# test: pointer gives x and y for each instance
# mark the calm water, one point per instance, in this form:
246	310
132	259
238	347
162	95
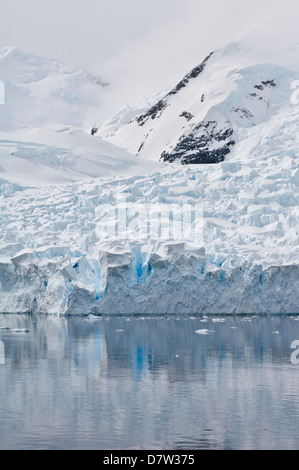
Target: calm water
152	383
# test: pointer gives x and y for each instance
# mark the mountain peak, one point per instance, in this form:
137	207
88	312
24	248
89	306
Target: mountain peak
203	117
41	91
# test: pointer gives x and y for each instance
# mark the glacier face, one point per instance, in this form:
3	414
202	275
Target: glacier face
55	257
73	235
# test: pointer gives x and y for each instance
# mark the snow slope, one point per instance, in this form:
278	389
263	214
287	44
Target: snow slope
44	91
45	124
66	249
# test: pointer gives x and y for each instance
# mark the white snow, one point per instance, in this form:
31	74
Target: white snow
64	196
45	124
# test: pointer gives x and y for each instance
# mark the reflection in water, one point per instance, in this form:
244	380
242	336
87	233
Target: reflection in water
122	383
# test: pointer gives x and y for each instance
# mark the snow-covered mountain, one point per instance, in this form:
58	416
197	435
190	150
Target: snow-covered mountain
90	246
210	111
45	123
44	92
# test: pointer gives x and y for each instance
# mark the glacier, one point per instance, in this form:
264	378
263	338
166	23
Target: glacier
62	192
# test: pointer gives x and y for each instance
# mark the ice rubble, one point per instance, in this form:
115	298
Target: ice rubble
52	260
55	258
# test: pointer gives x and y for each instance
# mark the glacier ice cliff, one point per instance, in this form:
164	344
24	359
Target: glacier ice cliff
57	254
167	288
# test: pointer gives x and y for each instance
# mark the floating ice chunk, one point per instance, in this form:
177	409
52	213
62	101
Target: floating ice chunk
20	330
93	317
218	320
2	353
119	331
204	332
275	332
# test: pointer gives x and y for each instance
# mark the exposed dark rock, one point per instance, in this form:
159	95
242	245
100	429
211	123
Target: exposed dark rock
206	142
196	146
270	83
243	112
141	147
193	74
186	115
143	143
152	112
94	130
156	110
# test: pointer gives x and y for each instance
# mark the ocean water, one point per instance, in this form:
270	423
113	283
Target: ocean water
149	382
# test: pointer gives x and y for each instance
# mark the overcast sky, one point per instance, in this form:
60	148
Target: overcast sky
140	46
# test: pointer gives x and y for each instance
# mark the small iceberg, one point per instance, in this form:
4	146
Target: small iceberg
93	317
204	332
20	330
